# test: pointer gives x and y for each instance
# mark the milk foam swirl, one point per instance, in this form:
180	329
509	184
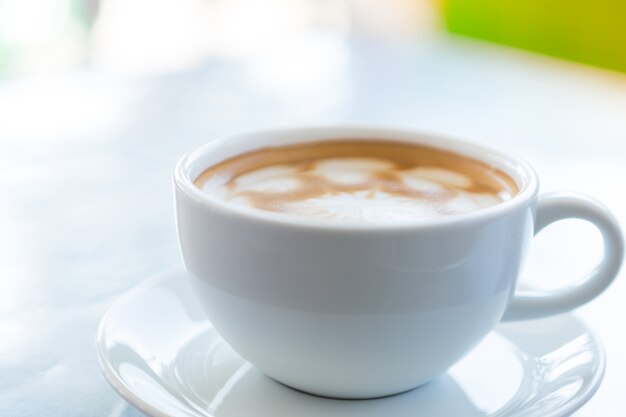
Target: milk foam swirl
358	189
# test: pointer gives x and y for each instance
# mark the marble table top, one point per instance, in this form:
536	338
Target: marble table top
86	206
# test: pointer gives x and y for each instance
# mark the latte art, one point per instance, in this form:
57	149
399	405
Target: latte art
352	182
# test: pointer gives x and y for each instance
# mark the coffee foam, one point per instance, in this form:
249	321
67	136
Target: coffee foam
358	181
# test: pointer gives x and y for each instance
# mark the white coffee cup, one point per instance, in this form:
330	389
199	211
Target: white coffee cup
358	310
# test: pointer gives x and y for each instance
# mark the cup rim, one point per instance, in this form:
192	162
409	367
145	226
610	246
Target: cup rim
517	168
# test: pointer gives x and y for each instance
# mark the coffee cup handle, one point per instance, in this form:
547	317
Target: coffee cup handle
559	206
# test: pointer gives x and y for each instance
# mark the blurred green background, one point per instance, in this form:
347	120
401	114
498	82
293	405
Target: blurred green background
139	36
592	32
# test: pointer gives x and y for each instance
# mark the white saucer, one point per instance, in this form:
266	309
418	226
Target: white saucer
159	352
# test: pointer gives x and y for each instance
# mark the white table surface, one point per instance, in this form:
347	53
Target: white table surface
86	204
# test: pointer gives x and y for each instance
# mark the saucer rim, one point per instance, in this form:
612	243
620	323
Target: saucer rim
128	394
112	378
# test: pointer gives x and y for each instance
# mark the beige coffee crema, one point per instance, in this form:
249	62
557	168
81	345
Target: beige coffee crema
358	181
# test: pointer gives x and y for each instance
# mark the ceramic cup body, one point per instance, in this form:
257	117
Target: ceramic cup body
352	310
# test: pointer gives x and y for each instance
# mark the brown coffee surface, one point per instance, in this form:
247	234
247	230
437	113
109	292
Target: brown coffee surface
358	180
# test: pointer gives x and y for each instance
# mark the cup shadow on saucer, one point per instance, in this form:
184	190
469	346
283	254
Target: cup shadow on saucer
235	388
